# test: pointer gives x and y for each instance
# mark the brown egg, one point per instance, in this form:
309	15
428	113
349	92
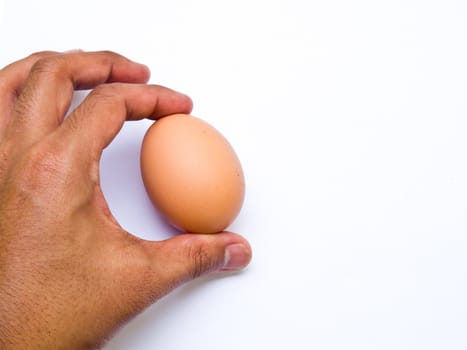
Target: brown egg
192	174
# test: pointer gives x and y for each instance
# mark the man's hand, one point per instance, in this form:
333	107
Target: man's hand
69	274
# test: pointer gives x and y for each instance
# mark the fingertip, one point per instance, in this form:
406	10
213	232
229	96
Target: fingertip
237	256
238	252
188	103
145	72
141	73
180	103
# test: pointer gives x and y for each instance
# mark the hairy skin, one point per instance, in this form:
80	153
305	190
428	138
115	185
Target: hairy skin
69	274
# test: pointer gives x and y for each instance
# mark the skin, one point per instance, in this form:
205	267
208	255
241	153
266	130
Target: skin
70	275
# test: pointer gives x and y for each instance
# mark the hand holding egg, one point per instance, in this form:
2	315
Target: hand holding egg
192	174
65	260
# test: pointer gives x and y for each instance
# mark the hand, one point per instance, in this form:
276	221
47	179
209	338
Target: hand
69	274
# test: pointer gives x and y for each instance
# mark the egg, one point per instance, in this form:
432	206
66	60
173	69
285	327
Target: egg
192	174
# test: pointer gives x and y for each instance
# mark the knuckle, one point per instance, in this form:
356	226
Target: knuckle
40	54
109	95
201	261
48	65
34	57
109	56
104	91
106	57
109	53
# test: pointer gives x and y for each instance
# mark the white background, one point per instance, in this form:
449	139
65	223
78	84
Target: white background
350	119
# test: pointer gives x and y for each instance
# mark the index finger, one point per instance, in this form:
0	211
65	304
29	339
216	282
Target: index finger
94	123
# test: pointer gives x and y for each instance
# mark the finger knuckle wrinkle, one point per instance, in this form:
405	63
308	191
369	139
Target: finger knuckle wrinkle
50	65
104	91
108	95
201	261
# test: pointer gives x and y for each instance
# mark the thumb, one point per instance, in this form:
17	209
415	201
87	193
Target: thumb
187	256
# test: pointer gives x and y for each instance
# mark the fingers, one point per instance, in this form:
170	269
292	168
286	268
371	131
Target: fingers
140	272
189	256
12	78
48	88
94	124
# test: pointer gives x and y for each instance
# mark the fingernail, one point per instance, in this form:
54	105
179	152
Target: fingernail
237	256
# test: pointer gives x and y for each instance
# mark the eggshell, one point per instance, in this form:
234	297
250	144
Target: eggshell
192	174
